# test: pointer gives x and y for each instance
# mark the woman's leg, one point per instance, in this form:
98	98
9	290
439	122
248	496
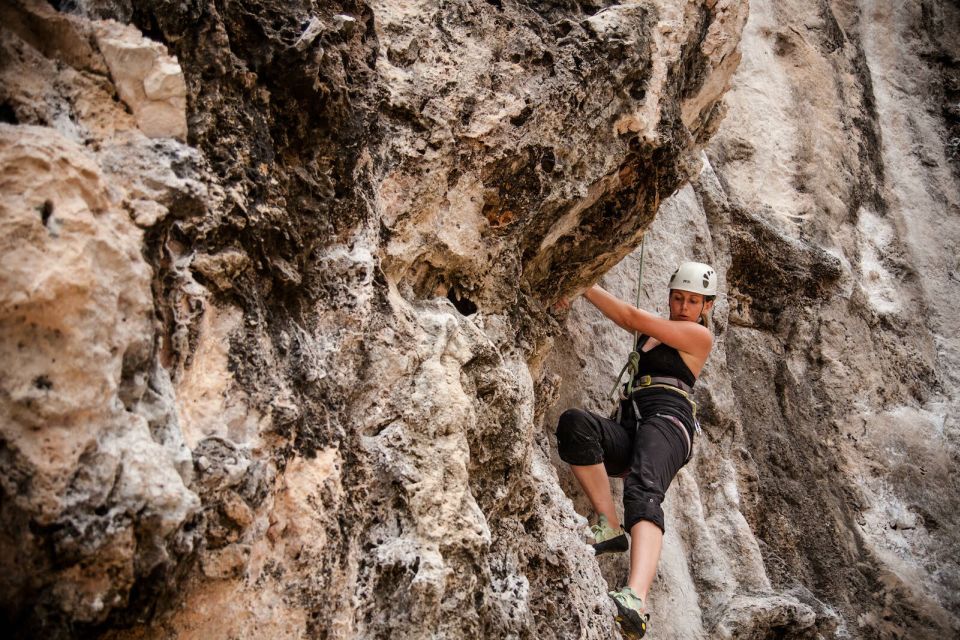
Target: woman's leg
646	540
595	483
660	451
593	446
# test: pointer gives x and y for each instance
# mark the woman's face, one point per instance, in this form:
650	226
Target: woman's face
686	305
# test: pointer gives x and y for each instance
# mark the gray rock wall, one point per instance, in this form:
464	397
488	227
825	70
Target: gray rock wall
822	500
295	372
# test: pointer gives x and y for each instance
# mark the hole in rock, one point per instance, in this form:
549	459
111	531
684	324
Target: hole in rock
464	305
530	525
593	7
43	382
522	117
46	211
563	28
549	161
8	115
638	92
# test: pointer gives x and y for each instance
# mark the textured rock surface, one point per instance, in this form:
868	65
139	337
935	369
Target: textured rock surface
364	459
147	79
822	501
306	370
94	466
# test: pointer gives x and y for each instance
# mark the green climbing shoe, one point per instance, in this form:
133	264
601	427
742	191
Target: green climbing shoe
606	539
630	617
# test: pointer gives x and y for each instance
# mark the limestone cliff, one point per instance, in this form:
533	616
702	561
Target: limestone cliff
822	501
279	351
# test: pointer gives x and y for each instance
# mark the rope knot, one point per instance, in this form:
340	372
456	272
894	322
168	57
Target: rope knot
633	364
631	368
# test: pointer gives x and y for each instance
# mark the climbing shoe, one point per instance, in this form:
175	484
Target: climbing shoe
606	539
630	617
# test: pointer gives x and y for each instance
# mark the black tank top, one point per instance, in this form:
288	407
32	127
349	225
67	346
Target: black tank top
663	360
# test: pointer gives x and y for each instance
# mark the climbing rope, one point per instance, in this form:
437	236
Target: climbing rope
632	367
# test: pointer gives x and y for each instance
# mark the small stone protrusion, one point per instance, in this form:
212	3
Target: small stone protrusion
148	80
312	31
344	24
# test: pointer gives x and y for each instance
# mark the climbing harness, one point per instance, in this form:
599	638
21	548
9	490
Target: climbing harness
653	381
675	421
671	384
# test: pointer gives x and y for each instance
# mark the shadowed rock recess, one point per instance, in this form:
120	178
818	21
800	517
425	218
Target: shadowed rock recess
278	351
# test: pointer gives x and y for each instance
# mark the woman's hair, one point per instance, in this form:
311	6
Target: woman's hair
704	319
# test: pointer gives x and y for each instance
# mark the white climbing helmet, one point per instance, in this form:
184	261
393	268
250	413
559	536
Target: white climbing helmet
696	277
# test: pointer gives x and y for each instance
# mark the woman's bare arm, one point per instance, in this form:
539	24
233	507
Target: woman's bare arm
688	337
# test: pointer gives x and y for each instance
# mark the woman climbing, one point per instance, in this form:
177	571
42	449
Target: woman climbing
653	437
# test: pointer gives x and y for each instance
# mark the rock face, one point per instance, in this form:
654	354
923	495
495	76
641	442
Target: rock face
95	468
822	500
279	351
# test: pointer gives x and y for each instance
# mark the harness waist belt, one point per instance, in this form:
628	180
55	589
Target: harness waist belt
646	381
